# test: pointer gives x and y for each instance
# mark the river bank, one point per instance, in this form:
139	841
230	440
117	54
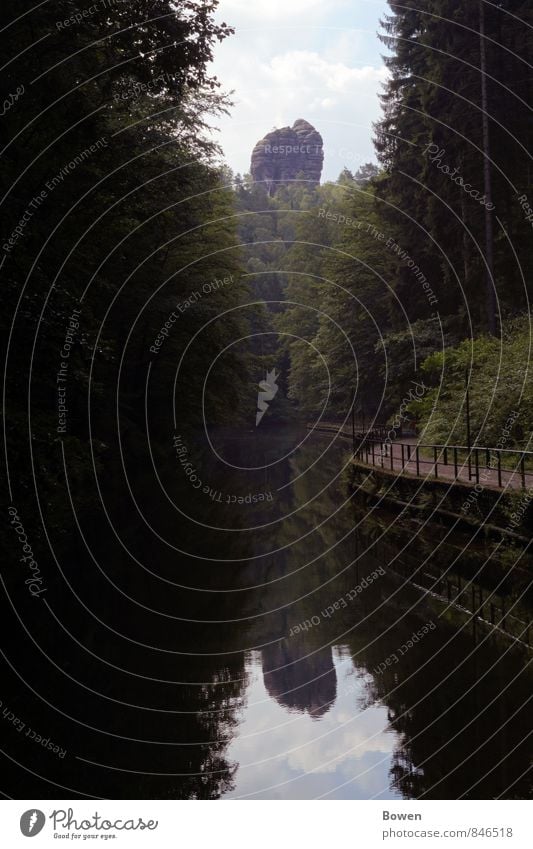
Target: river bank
457	503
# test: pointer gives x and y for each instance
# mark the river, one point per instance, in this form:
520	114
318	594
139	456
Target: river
266	635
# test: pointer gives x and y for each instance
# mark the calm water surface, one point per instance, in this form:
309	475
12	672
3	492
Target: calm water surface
254	638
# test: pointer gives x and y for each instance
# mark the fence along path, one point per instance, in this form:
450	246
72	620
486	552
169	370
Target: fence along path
495	467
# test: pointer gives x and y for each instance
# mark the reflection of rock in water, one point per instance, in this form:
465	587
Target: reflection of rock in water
306	684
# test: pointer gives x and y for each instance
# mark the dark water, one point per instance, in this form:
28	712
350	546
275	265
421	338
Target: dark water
207	644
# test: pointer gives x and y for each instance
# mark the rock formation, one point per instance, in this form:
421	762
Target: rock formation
286	153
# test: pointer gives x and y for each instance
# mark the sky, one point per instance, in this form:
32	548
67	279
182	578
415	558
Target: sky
315	59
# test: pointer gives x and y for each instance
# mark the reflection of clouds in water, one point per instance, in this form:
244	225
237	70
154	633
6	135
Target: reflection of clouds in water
274	745
346	742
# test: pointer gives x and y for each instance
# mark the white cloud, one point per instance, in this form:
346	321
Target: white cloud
339	99
313	59
310	72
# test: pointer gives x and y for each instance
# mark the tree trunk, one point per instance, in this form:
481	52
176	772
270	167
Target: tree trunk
489	237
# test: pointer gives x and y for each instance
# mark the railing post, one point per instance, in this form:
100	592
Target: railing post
476	457
417	460
455	461
468	432
373	457
436	463
523	471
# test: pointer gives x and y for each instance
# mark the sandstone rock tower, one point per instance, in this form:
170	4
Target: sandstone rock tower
283	154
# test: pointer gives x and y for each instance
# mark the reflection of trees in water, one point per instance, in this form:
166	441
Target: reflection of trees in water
465	749
188	724
300	681
434	738
435	734
299	672
205	770
187	747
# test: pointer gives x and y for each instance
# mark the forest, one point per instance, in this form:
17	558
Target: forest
416	268
171	522
419	268
114	211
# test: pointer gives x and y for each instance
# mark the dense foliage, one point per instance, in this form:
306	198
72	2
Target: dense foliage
113	207
432	257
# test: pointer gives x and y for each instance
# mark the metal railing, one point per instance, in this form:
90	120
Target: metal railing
493	466
378	431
